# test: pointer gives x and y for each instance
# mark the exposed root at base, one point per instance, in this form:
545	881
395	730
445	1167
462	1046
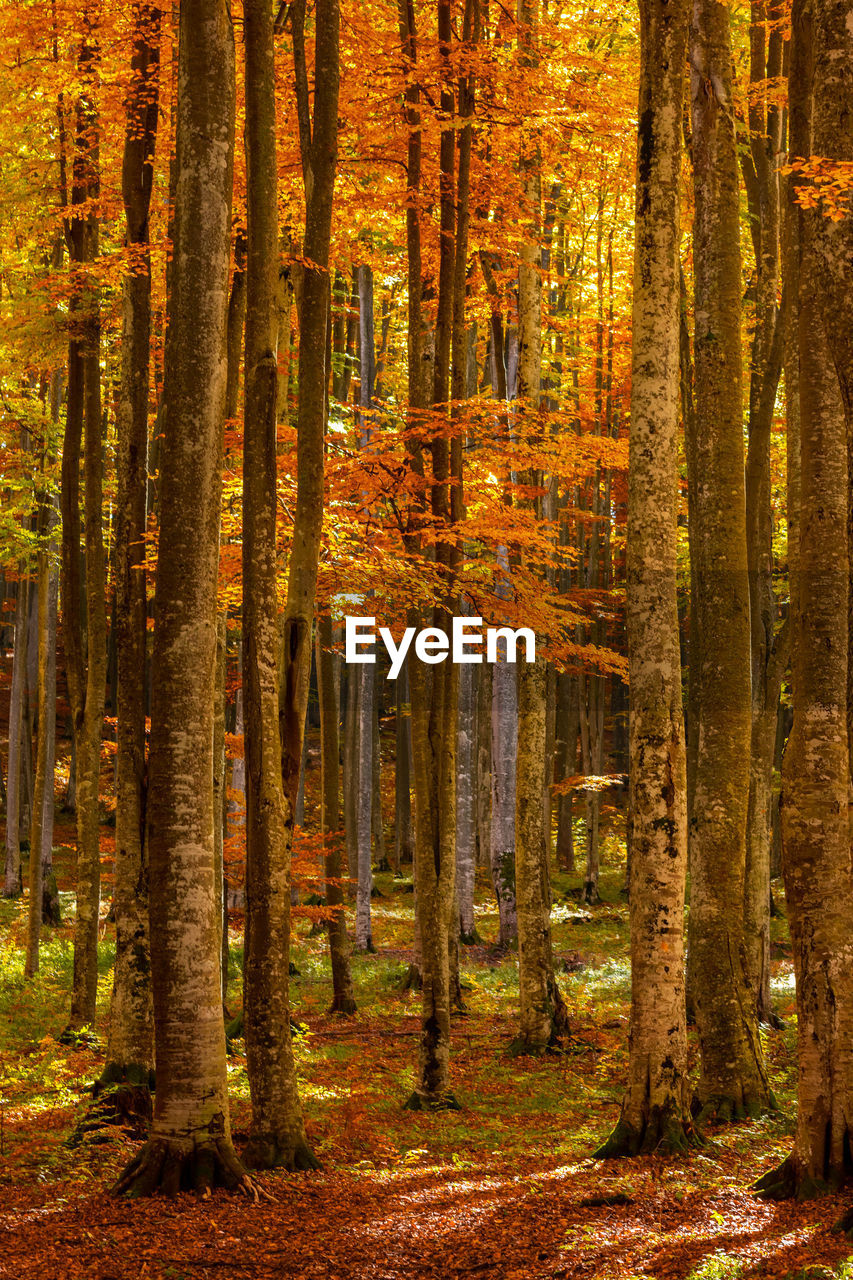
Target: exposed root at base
412	979
170	1167
664	1132
788	1182
266	1151
423	1102
344	1005
720	1109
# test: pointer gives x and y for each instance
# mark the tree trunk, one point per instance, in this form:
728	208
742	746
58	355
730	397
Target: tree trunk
130	1049
434	690
343	998
733	1082
12	885
504	752
656	1107
484	766
364	806
190	1143
403	833
86	674
815	772
542	1010
44	772
466	850
277	1132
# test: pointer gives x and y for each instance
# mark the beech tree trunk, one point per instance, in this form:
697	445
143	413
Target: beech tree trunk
815	772
277	1132
769	649
190	1142
12	884
733	1082
433	689
403	833
542	1009
656	1107
130	1048
343	998
466	844
502	832
86	671
44	760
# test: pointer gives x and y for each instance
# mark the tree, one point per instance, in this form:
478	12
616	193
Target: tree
543	1012
190	1142
85	668
277	1135
815	775
656	1107
733	1080
130	1050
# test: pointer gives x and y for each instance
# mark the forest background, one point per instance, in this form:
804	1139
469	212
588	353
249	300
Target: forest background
418	385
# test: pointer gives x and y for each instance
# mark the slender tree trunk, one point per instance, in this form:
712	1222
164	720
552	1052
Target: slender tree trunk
734	1080
190	1143
343	997
466	843
364	807
277	1133
769	651
504	752
12	886
130	1049
542	1008
403	833
434	689
484	765
86	674
656	1107
219	796
43	763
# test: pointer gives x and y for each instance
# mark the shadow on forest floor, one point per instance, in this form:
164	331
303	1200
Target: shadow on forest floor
501	1189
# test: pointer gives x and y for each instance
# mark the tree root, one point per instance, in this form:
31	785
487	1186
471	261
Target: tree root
664	1132
171	1167
788	1182
721	1109
471	939
412	979
267	1151
345	1005
423	1102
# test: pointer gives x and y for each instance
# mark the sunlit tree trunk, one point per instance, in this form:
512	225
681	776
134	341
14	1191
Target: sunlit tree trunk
190	1142
656	1107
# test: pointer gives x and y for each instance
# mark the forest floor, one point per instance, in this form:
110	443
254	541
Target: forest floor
505	1189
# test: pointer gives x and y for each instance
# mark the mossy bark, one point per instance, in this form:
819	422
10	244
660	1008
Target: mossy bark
733	1080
